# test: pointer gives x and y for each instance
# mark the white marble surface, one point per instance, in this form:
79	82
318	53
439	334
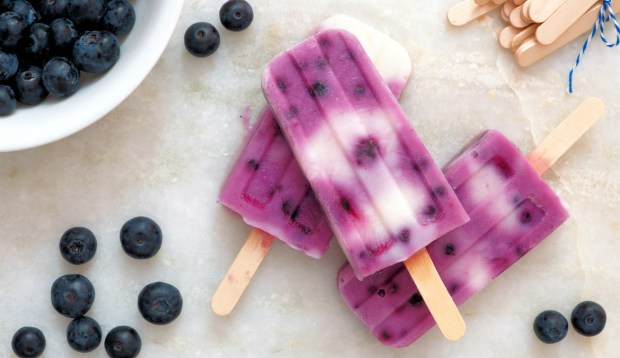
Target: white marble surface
165	151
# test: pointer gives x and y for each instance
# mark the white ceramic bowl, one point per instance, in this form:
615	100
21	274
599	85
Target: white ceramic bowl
55	119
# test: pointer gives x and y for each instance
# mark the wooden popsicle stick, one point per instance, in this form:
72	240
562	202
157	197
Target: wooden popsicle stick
241	272
467	11
540	10
506	36
524	34
505	17
562	20
525	11
436	296
531	51
508	7
515	18
565	134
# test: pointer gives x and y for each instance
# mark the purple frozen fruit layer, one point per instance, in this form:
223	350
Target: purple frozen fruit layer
511	209
266	186
382	193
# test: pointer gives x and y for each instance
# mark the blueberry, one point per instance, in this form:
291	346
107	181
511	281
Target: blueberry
588	318
26	10
39	41
78	245
201	39
7	100
318	89
86	13
96	51
366	150
550	326
29	87
119	17
60	77
141	237
84	334
122	342
8	65
12	28
28	342
160	303
53	9
236	15
64	34
72	295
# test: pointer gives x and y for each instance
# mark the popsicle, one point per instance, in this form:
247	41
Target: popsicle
511	209
382	193
267	188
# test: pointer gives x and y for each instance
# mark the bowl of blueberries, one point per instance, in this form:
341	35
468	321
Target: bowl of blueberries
64	64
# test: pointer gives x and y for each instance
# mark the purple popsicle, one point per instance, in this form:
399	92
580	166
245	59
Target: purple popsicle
268	189
511	209
381	191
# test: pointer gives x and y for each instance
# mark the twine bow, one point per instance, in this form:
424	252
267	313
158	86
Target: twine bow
605	15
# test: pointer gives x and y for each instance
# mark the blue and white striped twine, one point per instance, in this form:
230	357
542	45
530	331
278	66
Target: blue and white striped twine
606	14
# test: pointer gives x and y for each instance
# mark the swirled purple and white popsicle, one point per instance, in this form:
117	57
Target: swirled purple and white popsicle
511	208
383	195
267	187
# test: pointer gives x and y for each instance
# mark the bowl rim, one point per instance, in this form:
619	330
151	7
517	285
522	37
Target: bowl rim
56	119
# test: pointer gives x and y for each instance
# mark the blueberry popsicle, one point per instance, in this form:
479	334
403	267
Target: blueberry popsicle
383	195
268	189
511	208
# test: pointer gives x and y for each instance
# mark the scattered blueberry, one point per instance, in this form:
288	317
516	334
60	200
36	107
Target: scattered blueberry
78	245
84	334
236	15
119	17
39	41
201	39
123	342
28	342
53	9
550	326
86	12
12	28
141	237
7	100
96	51
160	303
72	295
60	77
8	65
64	34
588	318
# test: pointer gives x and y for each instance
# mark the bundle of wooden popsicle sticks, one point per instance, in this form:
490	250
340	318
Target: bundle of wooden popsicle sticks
536	28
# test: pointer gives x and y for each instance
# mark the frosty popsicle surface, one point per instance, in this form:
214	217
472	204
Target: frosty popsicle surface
511	209
267	188
381	191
